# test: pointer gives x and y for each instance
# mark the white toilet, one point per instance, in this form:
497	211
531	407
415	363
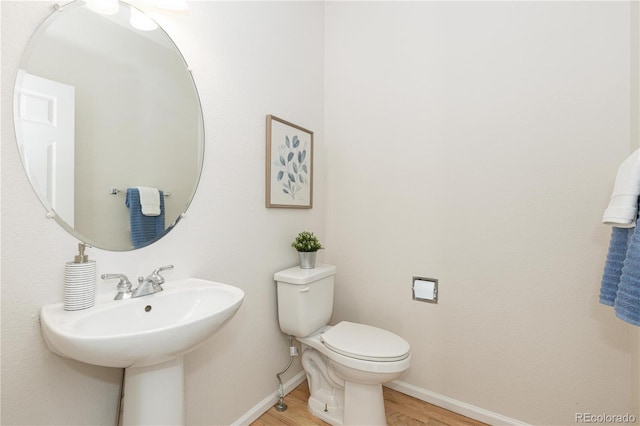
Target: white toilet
346	364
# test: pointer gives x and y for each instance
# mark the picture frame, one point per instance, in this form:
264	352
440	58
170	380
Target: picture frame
289	171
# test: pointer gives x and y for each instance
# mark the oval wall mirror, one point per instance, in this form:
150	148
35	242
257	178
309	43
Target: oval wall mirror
106	112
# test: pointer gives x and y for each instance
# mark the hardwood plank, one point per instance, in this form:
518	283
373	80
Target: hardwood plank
397	402
401	410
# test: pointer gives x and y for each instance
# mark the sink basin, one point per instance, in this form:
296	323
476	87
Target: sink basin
143	331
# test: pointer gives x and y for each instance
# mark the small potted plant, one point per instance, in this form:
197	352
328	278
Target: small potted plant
307	245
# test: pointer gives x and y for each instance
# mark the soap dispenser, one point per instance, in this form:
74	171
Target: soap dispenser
80	281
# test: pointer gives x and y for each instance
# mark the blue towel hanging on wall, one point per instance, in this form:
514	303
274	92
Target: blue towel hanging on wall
613	267
144	229
627	303
621	278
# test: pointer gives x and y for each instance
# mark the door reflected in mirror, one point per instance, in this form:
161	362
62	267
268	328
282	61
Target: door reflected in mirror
100	105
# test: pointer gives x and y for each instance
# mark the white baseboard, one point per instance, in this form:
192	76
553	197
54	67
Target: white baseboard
263	406
451	404
454	405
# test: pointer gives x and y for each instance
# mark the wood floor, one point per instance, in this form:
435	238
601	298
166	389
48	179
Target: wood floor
401	409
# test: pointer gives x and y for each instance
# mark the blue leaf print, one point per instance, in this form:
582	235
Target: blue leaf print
292	164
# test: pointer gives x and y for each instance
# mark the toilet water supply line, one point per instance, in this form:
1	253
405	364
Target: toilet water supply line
293	351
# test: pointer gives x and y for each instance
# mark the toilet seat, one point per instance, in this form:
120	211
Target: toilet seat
365	342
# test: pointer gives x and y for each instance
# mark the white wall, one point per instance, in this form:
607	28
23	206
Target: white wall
477	143
249	60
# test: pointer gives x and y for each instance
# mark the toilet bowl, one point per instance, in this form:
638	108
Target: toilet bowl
346	364
346	376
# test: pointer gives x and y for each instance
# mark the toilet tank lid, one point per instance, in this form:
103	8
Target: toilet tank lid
297	275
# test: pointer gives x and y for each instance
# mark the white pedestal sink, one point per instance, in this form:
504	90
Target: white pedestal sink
147	336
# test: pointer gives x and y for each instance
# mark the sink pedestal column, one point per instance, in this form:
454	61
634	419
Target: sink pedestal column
154	395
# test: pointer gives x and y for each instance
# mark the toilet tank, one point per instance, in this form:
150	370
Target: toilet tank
305	299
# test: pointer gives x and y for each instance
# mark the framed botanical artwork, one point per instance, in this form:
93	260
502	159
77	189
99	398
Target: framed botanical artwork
289	165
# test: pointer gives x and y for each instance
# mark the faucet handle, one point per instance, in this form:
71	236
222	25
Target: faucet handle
159	279
124	280
124	285
162	268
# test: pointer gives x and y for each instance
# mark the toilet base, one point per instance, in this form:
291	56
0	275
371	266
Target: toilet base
365	405
330	413
338	401
326	396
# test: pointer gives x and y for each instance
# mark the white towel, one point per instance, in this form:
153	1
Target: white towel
149	201
623	207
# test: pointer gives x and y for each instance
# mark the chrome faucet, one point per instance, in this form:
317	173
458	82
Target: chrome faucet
124	285
151	284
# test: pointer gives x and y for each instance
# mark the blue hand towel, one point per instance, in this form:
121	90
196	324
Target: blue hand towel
613	266
144	229
627	303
